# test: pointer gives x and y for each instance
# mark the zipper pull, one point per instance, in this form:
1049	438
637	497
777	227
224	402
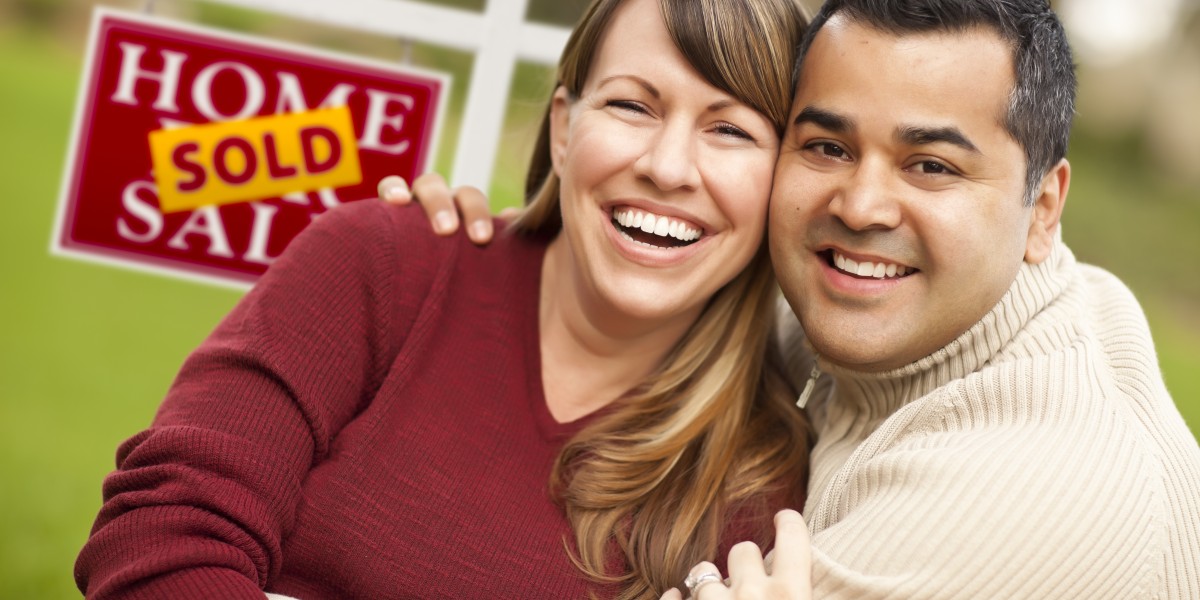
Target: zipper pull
808	387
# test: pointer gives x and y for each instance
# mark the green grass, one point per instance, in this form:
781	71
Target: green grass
88	351
1125	216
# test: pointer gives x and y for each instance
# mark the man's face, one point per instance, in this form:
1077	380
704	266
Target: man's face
896	218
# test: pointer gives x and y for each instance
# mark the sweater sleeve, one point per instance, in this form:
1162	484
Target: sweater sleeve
201	500
983	492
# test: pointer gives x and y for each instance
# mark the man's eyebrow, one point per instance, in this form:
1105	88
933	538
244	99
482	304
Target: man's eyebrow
921	136
824	119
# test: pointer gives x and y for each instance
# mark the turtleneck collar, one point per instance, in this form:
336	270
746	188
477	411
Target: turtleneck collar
882	393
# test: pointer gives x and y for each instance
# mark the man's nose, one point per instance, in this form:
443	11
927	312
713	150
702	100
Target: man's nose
868	198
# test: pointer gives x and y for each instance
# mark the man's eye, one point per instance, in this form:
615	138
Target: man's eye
930	167
829	149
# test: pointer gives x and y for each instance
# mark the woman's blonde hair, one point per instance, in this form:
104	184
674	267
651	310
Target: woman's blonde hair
714	430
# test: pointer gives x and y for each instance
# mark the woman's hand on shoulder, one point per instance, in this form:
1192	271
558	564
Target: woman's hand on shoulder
444	207
786	573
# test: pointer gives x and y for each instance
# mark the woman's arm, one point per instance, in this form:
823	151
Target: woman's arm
202	499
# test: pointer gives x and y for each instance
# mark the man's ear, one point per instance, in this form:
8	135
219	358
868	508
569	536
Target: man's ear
1047	211
560	127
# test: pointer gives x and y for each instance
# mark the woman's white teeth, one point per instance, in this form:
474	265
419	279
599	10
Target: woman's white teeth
869	269
656	224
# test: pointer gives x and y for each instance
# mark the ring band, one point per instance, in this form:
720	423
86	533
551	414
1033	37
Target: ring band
695	582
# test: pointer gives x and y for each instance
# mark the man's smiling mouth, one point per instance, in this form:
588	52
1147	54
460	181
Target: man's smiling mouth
869	270
653	230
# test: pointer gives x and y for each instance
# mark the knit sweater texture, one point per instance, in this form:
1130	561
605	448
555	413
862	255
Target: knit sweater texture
368	422
1038	455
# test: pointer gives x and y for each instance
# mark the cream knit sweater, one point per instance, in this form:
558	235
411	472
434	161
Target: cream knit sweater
1039	455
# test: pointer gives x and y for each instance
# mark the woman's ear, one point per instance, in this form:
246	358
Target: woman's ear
1047	211
560	127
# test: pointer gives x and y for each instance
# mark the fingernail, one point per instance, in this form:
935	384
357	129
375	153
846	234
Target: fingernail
786	513
396	193
480	230
444	221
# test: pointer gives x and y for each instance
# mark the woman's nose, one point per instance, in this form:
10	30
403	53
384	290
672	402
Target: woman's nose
669	160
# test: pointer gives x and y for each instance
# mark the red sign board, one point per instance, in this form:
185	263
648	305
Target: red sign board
199	153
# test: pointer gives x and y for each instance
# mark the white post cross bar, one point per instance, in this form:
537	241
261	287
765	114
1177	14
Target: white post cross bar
498	37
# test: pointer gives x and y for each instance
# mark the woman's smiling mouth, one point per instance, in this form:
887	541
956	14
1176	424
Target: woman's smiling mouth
653	230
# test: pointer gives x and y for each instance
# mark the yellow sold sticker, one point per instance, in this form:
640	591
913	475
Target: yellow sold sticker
254	159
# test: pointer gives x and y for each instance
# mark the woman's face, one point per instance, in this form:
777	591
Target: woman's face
664	178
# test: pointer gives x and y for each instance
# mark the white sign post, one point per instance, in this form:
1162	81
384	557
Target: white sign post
498	37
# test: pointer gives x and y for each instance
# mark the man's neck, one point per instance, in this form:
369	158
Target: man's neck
996	334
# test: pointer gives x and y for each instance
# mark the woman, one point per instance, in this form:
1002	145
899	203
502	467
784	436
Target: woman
584	407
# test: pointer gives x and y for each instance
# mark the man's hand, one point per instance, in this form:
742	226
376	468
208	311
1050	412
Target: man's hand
443	205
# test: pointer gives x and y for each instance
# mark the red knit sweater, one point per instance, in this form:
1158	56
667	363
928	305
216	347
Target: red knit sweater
368	422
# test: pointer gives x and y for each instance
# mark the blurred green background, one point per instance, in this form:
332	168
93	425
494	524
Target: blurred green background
87	351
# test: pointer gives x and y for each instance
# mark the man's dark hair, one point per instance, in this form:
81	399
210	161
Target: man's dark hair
1042	103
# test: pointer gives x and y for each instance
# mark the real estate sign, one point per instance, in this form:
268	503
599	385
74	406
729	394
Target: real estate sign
202	154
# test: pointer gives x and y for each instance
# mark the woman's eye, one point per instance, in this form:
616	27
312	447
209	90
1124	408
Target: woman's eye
629	105
734	131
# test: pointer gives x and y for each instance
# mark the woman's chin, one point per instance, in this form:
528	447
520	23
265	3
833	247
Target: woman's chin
658	303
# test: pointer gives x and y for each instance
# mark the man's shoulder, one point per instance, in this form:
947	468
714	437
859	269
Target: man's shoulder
1093	331
1115	324
1103	287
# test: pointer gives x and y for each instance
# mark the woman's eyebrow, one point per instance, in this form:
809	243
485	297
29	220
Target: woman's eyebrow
649	87
653	91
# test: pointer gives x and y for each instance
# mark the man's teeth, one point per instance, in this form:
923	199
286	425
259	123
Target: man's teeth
656	224
870	269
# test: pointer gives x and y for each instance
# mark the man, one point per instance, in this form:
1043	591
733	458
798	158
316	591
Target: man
990	416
